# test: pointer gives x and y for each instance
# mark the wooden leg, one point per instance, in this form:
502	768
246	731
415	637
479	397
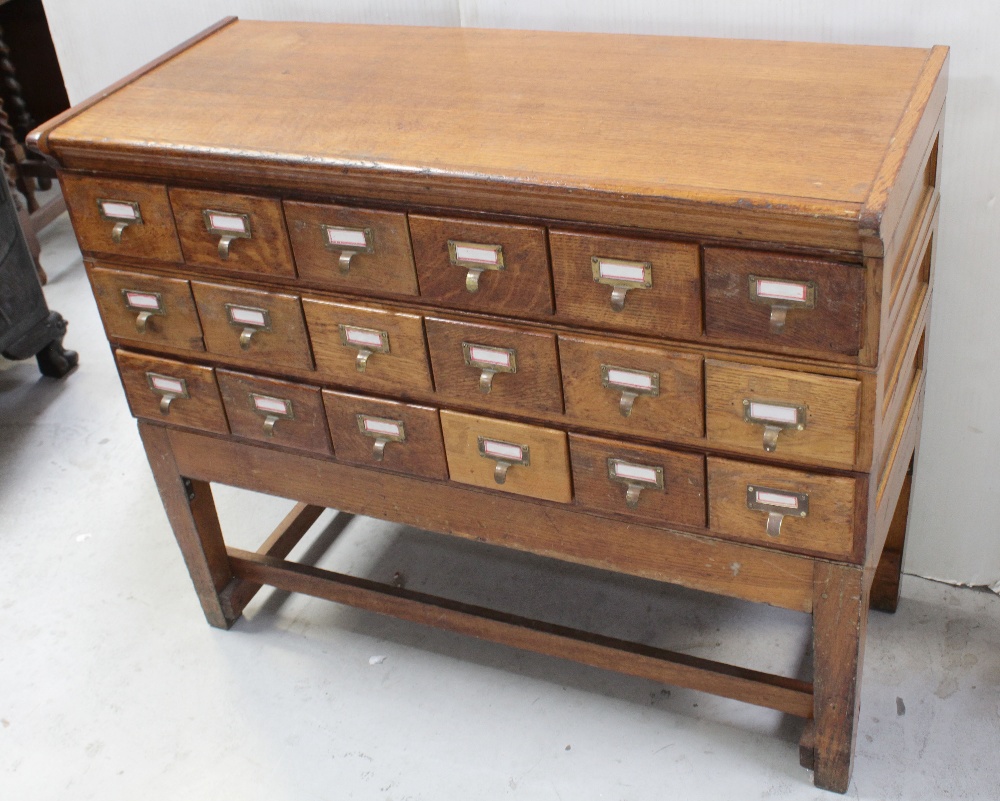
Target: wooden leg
190	508
885	585
840	618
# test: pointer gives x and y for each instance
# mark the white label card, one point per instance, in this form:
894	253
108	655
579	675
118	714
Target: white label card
382	427
119	211
142	300
622	271
627	378
635	471
263	403
775	413
347	237
502	450
243	316
776	499
358	336
501	358
780	290
228	222
480	255
161	383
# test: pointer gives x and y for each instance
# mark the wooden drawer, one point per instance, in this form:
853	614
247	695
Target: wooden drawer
828	502
638	285
241	233
495	366
789	414
458	260
653	484
264	326
173	392
385	434
276	412
368	347
353	250
510	457
127	218
601	379
146	308
789	302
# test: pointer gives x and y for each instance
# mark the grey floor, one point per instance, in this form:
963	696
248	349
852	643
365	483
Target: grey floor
112	686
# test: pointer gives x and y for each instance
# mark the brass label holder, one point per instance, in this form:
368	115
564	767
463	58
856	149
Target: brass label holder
476	259
249	319
122	213
383	430
777	504
147	304
271	409
631	383
622	276
168	388
367	341
781	296
775	417
347	243
636	478
228	226
489	361
505	454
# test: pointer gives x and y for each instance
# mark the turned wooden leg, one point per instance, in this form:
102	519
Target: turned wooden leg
885	585
190	508
840	617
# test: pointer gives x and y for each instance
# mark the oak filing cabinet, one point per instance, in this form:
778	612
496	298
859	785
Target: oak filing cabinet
648	304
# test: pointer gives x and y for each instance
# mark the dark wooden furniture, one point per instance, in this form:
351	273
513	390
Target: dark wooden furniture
653	305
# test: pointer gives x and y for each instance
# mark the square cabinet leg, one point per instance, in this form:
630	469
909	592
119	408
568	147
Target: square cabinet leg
885	585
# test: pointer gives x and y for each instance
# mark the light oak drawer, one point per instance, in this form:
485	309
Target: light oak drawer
126	218
241	233
638	285
509	457
173	392
353	250
146	308
367	347
785	413
264	326
794	509
276	412
385	434
652	484
490	267
769	299
632	389
495	366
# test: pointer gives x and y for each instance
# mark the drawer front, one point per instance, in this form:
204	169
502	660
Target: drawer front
798	510
768	299
172	392
264	326
126	218
632	389
276	412
385	434
494	366
241	233
353	250
489	267
761	411
146	308
367	347
653	484
635	285
509	457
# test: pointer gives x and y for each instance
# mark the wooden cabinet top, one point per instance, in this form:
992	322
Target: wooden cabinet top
656	125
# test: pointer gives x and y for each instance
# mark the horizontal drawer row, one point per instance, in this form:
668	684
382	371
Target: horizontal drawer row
619	387
769	505
622	283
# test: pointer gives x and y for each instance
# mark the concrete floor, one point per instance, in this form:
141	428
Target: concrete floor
112	686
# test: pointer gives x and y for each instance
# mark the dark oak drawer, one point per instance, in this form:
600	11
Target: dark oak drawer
350	249
493	267
388	435
368	347
639	285
633	389
657	485
505	456
495	366
273	411
769	299
146	308
241	233
127	218
172	392
264	326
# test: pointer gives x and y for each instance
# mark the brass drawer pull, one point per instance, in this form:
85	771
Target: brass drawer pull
368	342
229	226
505	454
775	417
782	296
146	304
636	478
476	259
272	409
383	431
250	320
122	213
777	503
348	242
622	276
168	388
489	361
631	383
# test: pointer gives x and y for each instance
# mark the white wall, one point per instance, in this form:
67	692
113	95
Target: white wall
955	533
